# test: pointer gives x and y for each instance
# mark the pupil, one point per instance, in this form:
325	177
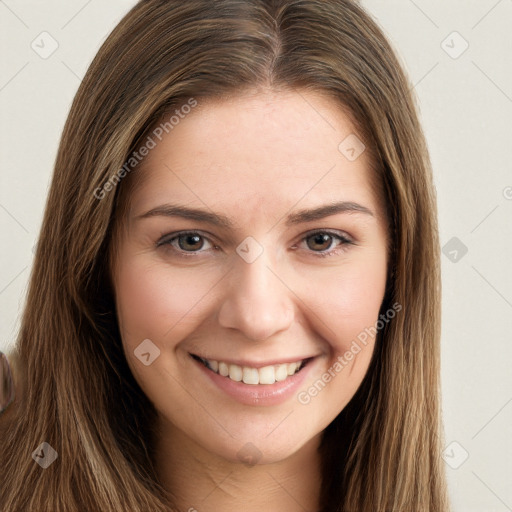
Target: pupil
190	242
320	239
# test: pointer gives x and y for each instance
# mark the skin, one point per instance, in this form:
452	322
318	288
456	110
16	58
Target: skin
255	159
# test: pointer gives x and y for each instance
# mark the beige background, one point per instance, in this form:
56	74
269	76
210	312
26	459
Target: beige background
466	108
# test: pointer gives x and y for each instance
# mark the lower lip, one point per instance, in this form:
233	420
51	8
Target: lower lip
259	394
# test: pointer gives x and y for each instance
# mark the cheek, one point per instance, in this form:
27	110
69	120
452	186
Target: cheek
155	302
345	304
347	300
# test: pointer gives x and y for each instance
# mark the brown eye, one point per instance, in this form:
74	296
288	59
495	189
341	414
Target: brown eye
325	243
183	243
190	242
319	241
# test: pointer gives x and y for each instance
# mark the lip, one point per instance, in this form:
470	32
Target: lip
260	394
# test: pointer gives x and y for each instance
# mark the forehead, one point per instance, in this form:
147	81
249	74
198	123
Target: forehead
253	151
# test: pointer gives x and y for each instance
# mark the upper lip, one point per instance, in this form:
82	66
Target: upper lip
256	364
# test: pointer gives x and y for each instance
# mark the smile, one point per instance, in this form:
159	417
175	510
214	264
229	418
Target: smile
251	375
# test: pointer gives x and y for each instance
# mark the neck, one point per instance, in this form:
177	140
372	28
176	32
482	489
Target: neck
204	482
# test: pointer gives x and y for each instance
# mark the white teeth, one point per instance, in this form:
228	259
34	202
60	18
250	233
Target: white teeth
223	368
235	372
250	375
267	375
291	368
254	376
281	372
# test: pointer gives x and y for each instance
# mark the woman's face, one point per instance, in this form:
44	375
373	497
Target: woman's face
254	242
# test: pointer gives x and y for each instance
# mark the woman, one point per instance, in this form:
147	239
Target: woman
235	301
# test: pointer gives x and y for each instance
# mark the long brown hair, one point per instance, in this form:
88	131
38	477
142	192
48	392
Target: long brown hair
382	453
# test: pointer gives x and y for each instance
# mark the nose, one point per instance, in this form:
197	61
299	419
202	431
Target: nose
257	301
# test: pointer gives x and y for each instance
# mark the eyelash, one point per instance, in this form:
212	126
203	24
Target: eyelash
344	242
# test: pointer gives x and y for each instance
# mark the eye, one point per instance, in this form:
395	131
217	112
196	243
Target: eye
326	243
320	243
186	242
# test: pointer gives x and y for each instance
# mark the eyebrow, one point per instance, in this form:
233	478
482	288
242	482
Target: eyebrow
215	219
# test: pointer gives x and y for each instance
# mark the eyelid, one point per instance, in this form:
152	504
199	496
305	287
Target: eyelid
333	232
